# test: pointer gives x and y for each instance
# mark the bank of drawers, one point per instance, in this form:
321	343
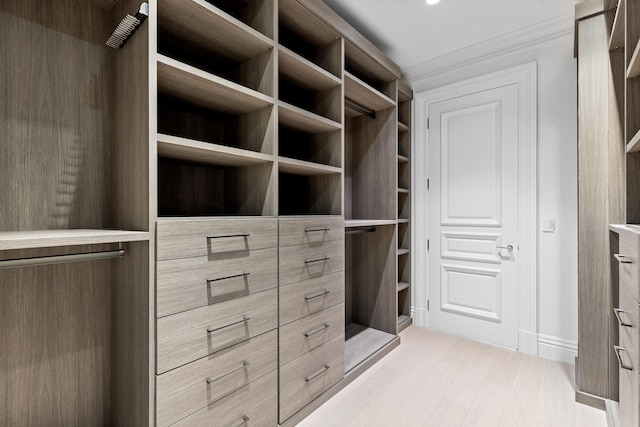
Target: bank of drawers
217	308
311	312
627	314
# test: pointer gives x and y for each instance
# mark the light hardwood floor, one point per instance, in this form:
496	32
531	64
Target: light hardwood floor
434	379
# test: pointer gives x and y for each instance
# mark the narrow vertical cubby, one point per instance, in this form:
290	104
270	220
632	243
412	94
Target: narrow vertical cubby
632	108
370	300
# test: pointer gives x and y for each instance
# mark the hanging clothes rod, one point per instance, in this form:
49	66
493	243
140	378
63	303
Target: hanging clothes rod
360	230
60	259
360	109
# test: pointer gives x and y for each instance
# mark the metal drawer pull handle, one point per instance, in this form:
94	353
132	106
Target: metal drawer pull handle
312	230
228	277
617	349
229	235
244	319
316	260
508	247
317	374
243	421
622	258
320	329
321	294
621	322
244	365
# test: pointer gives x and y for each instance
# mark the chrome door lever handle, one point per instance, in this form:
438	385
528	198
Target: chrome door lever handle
509	247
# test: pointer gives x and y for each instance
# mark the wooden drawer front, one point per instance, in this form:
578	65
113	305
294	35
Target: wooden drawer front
188	283
629	414
307	377
311	296
311	332
185	390
193	334
214	237
629	270
304	262
302	231
255	405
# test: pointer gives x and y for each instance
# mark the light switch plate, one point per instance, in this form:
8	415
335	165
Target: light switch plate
548	225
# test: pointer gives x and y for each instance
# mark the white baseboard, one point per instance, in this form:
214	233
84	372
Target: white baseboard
527	342
420	317
559	349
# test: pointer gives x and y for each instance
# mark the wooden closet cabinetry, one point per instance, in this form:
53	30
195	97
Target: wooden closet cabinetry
236	179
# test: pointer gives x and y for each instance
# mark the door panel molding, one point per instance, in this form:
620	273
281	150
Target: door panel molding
453	300
470	246
525	77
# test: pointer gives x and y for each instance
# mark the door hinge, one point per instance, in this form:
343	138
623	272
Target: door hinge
427	305
427	122
427	183
427	244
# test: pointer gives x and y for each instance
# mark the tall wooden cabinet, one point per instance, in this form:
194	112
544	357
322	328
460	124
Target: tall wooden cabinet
208	225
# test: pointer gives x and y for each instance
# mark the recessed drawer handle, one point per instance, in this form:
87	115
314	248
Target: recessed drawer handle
622	258
309	261
313	230
317	374
244	319
228	277
244	365
225	236
617	350
244	420
621	322
320	329
321	294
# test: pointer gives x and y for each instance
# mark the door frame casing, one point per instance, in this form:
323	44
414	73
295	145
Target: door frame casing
525	78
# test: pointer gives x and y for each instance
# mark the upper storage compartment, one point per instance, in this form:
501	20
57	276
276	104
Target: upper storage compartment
229	39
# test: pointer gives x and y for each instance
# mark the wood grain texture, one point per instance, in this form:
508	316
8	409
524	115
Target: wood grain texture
372	148
51	238
595	185
301	167
310	332
57	340
307	377
305	24
364	95
310	261
371	267
188	283
301	119
183	337
304	72
56	110
303	231
186	390
207	237
616	40
362	342
258	401
314	195
294	304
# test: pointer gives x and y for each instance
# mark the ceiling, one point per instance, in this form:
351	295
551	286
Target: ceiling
410	32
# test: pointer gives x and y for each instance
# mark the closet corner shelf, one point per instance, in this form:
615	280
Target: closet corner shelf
403	159
403	221
634	144
349	223
304	120
402	286
175	147
616	40
209	27
364	95
301	167
633	70
207	90
403	190
403	251
402	127
12	240
304	72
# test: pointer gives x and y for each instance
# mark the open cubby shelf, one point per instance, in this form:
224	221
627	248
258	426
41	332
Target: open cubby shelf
403	252
309	194
324	148
402	127
172	147
301	167
196	189
402	286
207	90
361	342
14	240
633	70
402	159
616	41
300	119
304	72
325	103
236	28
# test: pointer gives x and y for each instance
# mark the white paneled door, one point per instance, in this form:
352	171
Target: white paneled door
473	215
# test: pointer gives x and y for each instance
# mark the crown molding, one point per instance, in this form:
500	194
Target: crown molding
543	33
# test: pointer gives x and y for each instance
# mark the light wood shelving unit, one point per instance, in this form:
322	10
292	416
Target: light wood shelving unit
215	115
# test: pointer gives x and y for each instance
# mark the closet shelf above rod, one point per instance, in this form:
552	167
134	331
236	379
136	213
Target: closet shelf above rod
60	259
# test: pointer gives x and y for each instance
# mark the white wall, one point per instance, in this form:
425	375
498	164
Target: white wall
557	167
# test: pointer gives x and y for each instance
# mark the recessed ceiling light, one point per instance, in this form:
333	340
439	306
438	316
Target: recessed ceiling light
432	1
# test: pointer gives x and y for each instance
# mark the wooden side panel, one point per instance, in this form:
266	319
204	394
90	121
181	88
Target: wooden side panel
597	183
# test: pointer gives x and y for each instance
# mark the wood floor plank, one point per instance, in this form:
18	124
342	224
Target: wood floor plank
435	380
